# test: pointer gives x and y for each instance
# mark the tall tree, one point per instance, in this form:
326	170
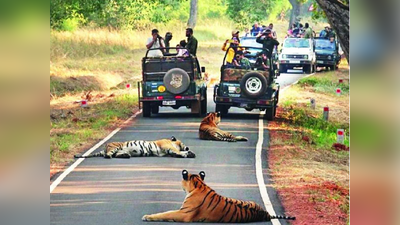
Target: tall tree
337	13
295	11
193	13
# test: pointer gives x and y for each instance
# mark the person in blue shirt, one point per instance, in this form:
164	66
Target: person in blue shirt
256	29
324	33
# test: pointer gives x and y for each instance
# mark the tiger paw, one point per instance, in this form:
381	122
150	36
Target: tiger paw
146	218
241	138
190	154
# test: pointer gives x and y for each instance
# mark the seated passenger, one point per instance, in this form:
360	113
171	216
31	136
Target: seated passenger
182	51
242	61
261	62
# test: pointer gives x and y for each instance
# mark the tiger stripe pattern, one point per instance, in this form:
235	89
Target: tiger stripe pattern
203	204
209	130
164	147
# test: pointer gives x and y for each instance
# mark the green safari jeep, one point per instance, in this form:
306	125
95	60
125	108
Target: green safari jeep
172	81
253	88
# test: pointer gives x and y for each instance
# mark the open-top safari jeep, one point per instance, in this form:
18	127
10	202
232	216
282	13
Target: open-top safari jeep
172	81
250	89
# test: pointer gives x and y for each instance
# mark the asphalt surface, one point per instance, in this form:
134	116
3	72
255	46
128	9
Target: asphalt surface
120	191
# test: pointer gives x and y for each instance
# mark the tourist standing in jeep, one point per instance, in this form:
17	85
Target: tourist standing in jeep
268	42
156	41
191	42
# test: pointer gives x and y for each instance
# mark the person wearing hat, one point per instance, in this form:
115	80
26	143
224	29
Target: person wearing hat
191	45
324	33
268	42
232	48
156	41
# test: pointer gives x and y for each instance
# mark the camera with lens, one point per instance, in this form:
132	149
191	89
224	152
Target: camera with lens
158	36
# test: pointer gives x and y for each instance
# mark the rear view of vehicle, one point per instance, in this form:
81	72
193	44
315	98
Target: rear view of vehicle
327	53
297	52
250	89
172	81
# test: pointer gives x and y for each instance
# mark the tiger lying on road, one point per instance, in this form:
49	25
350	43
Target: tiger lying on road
209	131
203	204
164	147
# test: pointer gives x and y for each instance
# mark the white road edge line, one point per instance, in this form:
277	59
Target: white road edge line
259	174
77	162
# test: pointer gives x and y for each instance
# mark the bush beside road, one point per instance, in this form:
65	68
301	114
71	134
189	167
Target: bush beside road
311	177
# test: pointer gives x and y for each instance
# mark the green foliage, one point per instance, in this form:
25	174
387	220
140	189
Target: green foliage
324	85
245	13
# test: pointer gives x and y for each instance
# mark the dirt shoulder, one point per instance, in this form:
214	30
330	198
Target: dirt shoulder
310	171
74	129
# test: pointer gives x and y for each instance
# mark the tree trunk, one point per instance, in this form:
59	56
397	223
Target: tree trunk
295	12
338	17
193	14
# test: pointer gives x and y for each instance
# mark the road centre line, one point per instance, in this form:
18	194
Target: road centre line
77	162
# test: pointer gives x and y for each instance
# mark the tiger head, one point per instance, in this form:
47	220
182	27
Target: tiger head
192	181
212	118
179	144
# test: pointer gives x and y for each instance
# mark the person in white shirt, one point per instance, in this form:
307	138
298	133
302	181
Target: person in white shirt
182	51
155	42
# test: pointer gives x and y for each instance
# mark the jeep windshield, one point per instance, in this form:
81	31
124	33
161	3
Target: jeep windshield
297	43
324	44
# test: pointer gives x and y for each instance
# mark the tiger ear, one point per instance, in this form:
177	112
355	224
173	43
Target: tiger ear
202	175
173	138
208	113
218	114
186	148
185	174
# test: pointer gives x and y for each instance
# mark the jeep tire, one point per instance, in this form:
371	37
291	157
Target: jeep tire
253	85
146	109
223	109
282	69
204	102
155	109
180	85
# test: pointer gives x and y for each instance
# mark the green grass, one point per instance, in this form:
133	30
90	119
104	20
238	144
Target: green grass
92	125
324	84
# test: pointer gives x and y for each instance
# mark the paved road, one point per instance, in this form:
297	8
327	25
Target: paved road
120	191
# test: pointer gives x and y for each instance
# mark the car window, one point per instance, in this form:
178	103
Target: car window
324	44
296	43
250	42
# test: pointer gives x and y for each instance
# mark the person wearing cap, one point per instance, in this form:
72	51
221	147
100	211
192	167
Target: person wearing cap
324	33
242	61
192	43
156	41
268	42
232	48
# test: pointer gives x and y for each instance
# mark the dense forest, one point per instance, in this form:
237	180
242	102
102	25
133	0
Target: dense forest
142	14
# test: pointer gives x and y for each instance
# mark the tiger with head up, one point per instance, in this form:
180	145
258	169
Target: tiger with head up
203	204
164	147
209	131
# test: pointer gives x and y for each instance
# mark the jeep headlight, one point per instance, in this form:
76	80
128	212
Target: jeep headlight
283	56
329	57
305	56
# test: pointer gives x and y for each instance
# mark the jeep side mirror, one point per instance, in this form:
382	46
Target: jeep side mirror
203	69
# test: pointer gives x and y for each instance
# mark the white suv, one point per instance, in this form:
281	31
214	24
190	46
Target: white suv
297	52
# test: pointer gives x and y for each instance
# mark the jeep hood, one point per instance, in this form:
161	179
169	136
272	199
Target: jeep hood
296	51
324	52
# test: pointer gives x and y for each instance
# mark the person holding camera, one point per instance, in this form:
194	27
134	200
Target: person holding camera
268	42
156	41
168	38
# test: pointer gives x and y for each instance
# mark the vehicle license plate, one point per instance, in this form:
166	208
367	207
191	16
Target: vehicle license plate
169	102
319	61
294	61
